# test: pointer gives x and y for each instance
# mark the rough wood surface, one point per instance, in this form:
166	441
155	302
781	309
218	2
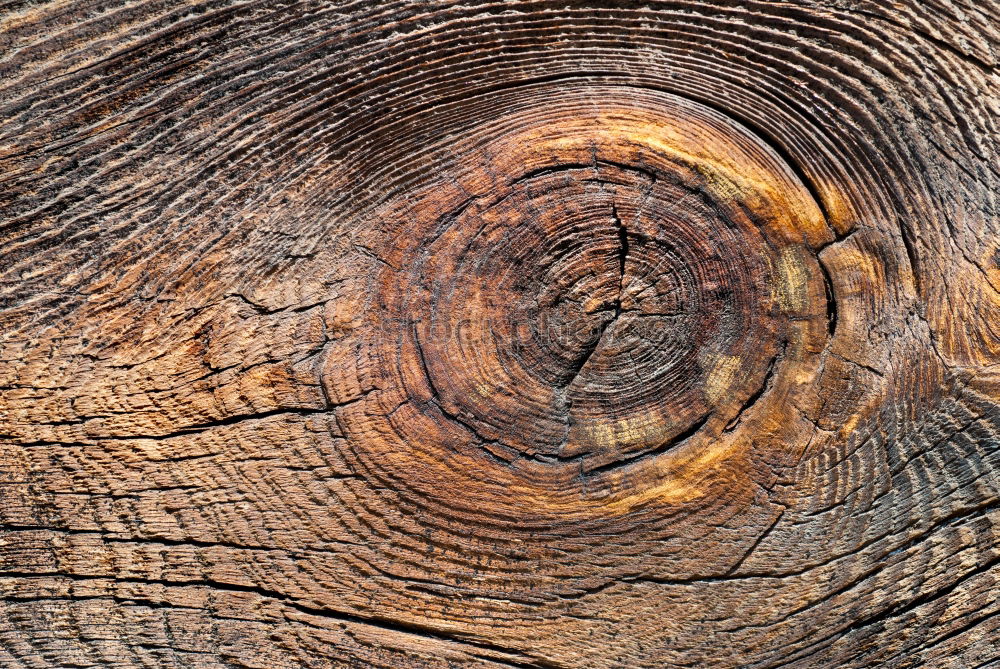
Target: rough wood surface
504	334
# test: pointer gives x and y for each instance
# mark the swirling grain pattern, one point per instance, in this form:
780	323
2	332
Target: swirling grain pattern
527	333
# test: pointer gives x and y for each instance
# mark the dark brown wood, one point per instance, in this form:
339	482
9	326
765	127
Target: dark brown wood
503	334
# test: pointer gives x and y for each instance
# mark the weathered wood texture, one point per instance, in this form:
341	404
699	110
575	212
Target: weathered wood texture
503	334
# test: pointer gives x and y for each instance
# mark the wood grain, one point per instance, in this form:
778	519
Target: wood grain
499	334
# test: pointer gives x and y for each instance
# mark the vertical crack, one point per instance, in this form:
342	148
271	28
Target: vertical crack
623	249
831	298
616	306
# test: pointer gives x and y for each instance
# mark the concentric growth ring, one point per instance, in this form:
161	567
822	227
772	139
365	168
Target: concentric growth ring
586	291
506	333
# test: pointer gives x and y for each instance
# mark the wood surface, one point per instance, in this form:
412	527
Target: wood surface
536	334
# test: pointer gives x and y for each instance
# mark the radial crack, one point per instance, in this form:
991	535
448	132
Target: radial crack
616	306
623	250
622	255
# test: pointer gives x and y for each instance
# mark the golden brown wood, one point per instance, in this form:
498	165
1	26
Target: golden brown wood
507	334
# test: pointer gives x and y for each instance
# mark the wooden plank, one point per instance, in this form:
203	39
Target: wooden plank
503	334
